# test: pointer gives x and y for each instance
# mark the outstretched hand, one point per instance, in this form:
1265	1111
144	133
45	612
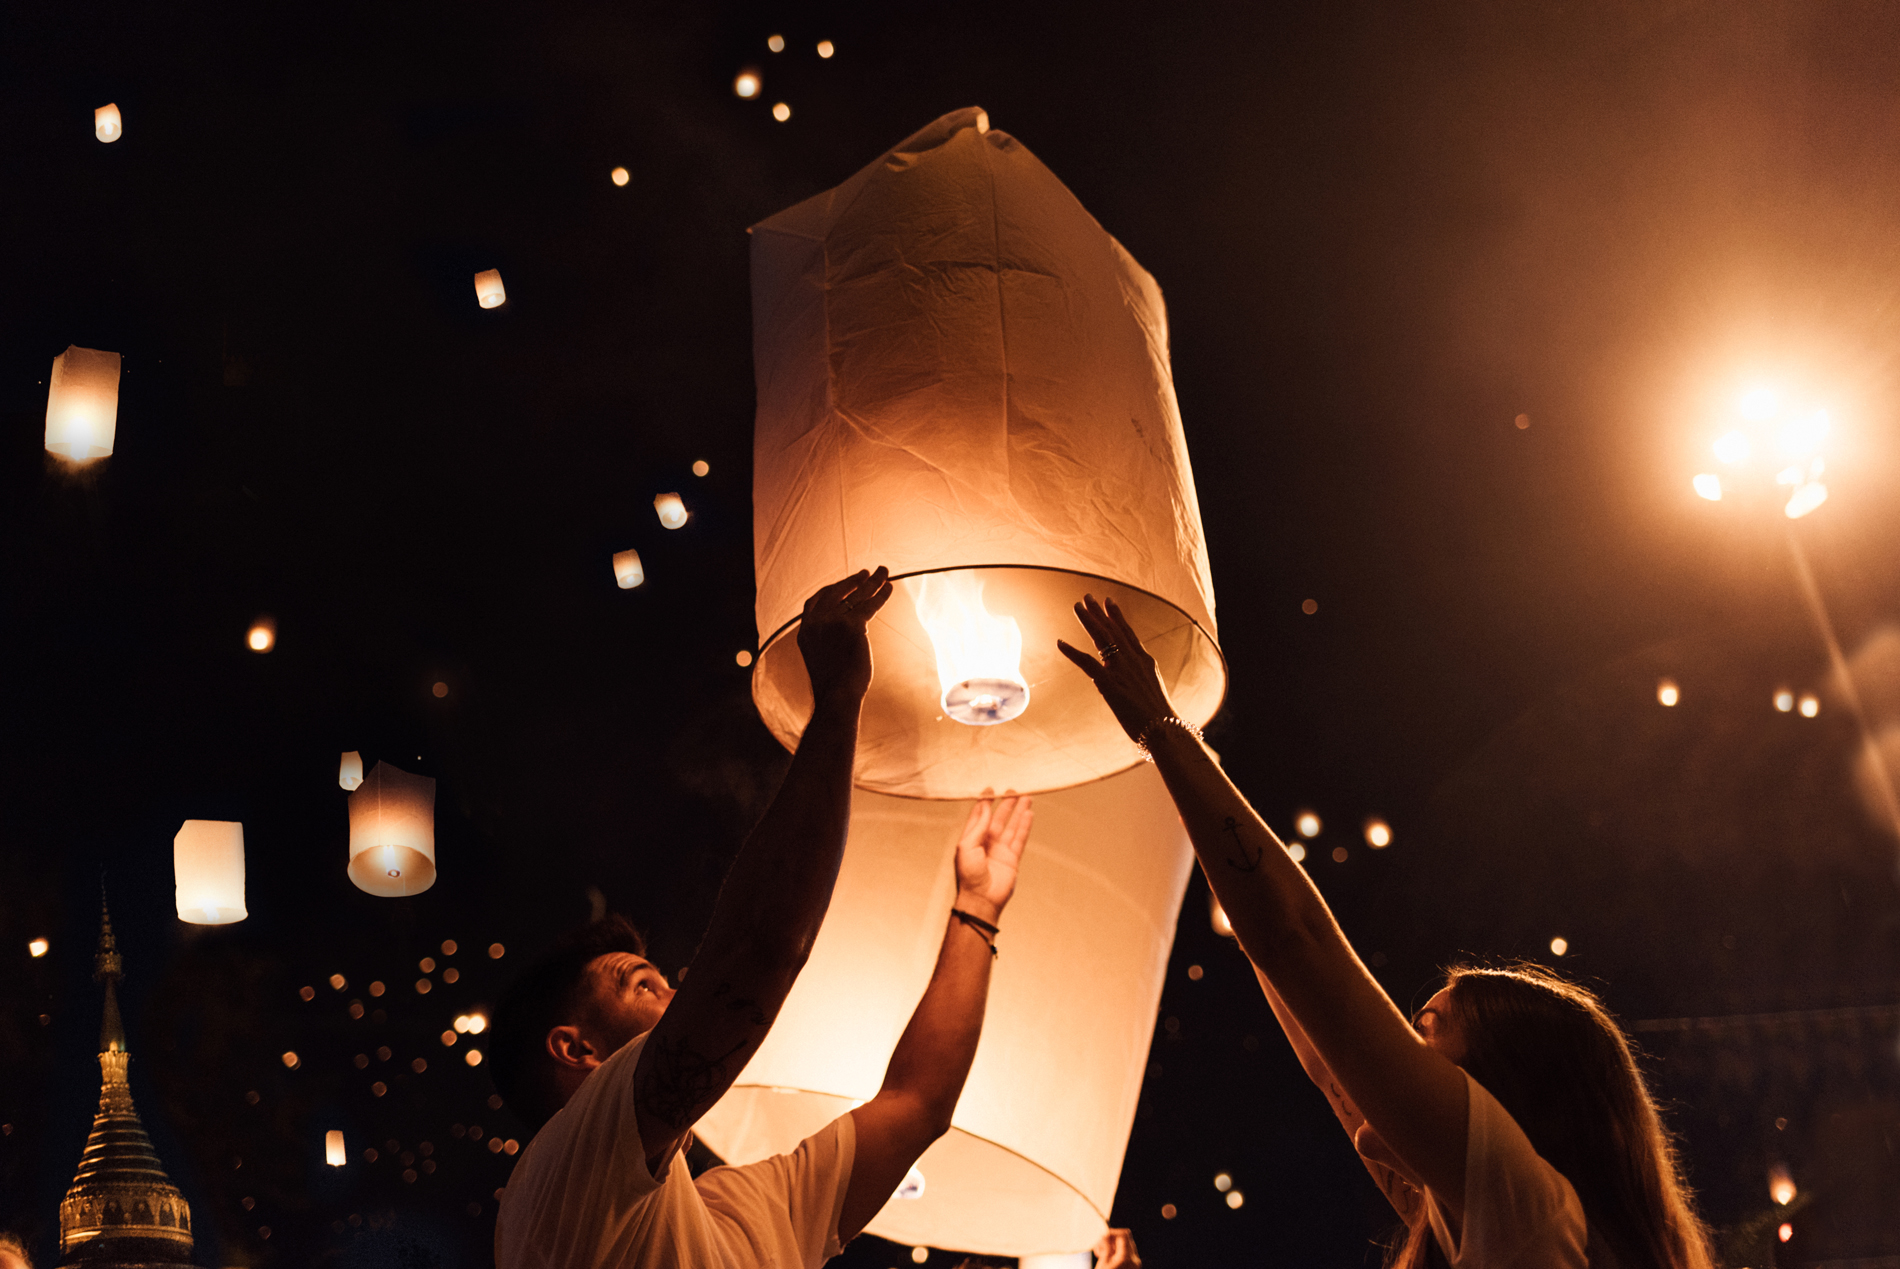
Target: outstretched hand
1116	1250
1126	675
989	853
831	635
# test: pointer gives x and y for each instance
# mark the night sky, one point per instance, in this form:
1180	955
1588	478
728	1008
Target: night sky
1459	294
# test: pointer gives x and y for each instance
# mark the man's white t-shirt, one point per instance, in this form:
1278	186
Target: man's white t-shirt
581	1197
1520	1213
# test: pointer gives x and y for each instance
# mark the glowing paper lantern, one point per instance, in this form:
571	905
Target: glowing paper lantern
489	292
349	772
959	370
82	404
1032	1160
208	866
333	1153
627	570
392	833
672	511
106	123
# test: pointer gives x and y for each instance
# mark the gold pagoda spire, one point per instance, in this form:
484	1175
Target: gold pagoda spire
122	1209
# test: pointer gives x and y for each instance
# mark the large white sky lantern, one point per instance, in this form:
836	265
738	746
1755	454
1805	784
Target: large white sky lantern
392	832
1036	1149
208	867
82	404
962	376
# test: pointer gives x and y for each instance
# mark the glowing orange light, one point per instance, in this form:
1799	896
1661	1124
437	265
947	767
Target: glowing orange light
1223	1182
776	43
449	1037
107	124
496	951
701	467
1708	485
743	657
291	1060
919	1254
1784	699
1235	1198
477	1023
628	572
1217	917
448	947
1805	499
1168	1211
489	292
621	176
826	48
1559	945
473	1057
1195	973
1309	606
1810	705
781	112
1339	854
747	84
1297	853
979	655
1667	693
37	948
670	509
1781	1185
1785	1232
1307	824
333	1153
338	982
262	636
1378	834
1732	447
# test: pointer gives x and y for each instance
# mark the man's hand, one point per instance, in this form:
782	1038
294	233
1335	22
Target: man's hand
989	852
831	635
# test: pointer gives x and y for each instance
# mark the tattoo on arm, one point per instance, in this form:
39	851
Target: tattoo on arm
1250	856
680	1082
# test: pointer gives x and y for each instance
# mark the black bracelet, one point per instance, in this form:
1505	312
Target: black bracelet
979	924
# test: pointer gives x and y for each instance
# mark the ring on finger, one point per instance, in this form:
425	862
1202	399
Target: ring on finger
1110	650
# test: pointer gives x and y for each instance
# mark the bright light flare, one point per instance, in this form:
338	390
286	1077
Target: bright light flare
333	1152
1709	485
1801	437
1667	693
1758	405
1217	917
477	1023
1785	1232
1810	705
1781	1186
747	84
1378	834
1806	499
38	948
1307	824
628	571
1732	447
979	654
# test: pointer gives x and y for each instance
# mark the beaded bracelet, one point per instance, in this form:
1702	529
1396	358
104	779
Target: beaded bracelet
1141	741
981	926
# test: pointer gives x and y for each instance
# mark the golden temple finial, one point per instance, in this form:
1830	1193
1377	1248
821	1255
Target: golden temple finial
122	1210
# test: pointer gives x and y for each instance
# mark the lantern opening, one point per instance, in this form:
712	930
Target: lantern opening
979	654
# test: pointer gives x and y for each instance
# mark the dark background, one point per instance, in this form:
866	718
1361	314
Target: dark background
1384	231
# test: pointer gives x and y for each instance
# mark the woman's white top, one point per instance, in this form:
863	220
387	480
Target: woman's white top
1520	1213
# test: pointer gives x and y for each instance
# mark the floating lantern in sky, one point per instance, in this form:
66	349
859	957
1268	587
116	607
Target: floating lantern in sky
37	948
333	1152
1306	824
826	48
1780	1185
82	404
392	833
776	43
670	509
489	292
1784	699
621	176
701	467
1015	421
1667	693
262	636
1036	1145
1559	945
1378	834
208	868
107	124
349	772
781	112
627	570
1810	705
1785	1232
747	84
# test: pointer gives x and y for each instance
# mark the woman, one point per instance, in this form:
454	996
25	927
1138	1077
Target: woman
1508	1126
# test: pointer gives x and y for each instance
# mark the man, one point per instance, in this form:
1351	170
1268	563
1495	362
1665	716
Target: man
616	1066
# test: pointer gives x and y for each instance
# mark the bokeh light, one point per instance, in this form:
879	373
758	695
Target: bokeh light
781	112
621	176
1235	1198
1709	485
291	1060
1307	824
743	657
1559	945
1785	1232
826	48
1378	834
1667	693
1784	699
776	43
1223	1182
37	948
1810	705
1297	853
1781	1186
262	636
747	84
473	1057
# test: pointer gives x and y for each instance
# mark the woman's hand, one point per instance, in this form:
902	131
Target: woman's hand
1125	676
989	853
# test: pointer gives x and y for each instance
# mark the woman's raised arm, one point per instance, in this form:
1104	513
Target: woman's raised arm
1413	1097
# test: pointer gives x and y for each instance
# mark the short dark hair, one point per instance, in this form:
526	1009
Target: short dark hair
547	995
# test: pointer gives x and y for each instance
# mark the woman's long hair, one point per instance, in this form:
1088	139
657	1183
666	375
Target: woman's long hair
1554	1058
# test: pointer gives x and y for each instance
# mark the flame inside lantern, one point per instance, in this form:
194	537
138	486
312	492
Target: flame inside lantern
979	655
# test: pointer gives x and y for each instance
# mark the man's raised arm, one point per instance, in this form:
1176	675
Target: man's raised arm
775	896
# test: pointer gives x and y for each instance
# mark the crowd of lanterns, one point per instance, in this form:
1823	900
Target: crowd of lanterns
749	83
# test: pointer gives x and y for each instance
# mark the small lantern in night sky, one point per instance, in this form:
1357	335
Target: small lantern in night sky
627	569
82	404
670	509
489	292
349	772
392	833
208	866
107	124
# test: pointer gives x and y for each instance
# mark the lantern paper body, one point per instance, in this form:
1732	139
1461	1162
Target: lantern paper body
392	833
958	368
1036	1149
627	570
349	772
107	124
82	404
208	866
671	510
489	292
333	1152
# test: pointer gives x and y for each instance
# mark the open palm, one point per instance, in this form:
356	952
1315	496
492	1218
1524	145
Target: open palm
991	849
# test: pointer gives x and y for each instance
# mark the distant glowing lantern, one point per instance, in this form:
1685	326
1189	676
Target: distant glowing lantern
776	43
333	1152
489	292
1786	1232
1296	852
781	112
743	657
671	510
392	833
1810	705
1667	693
82	404
826	48
747	84
1559	946
262	636
37	948
1217	917
107	124
208	868
291	1060
1235	1198
473	1057
1307	824
1709	485
1223	1182
701	467
1780	1185
1014	422
1784	700
1378	834
1036	1144
627	570
349	772
621	176
477	1023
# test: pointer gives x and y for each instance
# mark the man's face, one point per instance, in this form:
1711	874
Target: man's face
626	996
